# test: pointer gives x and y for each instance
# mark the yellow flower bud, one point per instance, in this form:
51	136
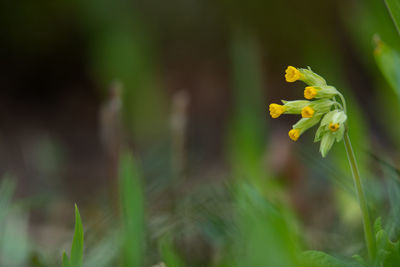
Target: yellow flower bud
310	92
294	134
307	112
333	127
292	74
275	110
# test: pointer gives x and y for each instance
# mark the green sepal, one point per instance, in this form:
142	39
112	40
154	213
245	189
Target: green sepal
325	91
311	78
295	107
320	132
322	106
324	129
327	141
334	116
306	123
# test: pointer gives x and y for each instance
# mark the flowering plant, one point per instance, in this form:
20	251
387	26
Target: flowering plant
326	110
331	114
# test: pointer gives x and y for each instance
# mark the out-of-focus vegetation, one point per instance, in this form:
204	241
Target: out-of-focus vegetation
183	86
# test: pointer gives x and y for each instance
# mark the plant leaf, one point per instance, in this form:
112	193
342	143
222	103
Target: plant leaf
313	258
132	209
77	243
388	61
168	253
393	7
65	260
378	225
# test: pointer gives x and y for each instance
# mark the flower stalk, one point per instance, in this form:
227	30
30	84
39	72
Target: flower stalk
368	230
332	116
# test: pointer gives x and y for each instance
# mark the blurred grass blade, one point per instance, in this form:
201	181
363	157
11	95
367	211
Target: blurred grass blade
6	191
168	253
104	252
388	61
313	258
15	244
393	7
14	240
267	235
65	260
132	209
246	136
77	243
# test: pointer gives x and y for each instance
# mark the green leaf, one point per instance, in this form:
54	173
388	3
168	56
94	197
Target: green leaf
77	243
132	212
313	258
388	252
7	187
359	259
388	61
378	225
65	260
393	7
327	141
266	234
168	253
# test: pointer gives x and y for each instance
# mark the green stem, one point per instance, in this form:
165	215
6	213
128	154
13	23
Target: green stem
343	102
368	230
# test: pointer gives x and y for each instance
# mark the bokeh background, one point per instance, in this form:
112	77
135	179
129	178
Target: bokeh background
184	86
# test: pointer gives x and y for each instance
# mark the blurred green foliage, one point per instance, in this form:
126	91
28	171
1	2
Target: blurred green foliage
76	259
232	209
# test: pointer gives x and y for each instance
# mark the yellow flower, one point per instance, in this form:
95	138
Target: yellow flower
294	134
275	110
310	92
307	112
333	127
292	74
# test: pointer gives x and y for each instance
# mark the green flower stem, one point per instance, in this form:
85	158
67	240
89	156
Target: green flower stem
344	104
368	230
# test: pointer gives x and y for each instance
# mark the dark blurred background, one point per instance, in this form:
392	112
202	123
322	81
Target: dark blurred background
185	85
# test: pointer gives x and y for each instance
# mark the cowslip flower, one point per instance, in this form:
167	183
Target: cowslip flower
276	110
330	112
332	128
326	110
288	107
303	125
317	107
292	74
306	75
311	92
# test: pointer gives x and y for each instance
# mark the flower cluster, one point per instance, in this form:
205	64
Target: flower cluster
321	107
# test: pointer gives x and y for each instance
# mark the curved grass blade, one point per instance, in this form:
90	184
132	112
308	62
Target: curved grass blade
388	61
393	7
65	260
132	212
77	243
168	253
313	258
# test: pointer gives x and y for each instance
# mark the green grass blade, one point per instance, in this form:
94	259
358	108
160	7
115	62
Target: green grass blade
132	212
65	260
77	243
168	253
388	61
393	7
313	258
266	234
7	187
